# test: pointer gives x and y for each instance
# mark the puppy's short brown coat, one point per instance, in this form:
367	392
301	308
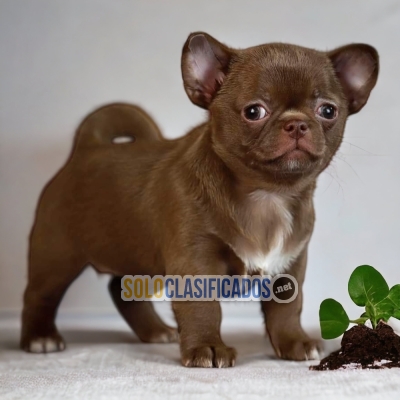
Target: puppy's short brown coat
233	196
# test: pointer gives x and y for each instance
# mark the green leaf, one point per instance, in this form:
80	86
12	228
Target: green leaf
360	321
333	319
382	310
394	296
367	285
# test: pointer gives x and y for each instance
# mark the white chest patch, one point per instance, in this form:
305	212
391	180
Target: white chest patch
266	245
276	261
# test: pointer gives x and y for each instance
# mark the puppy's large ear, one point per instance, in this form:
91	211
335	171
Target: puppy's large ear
357	67
205	63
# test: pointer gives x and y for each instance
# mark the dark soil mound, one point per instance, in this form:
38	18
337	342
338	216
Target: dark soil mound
363	347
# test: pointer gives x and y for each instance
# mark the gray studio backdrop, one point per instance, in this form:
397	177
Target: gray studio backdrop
61	59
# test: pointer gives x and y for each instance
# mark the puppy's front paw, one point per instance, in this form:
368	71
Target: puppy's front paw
164	335
218	356
297	349
48	344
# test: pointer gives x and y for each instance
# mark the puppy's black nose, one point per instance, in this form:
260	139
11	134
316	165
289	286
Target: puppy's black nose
296	128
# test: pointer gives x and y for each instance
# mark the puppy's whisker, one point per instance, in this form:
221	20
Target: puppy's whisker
334	179
360	148
341	158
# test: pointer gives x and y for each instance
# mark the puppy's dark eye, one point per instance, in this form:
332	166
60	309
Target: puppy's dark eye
255	112
327	111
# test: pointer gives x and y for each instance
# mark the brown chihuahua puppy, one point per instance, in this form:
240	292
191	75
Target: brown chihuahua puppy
233	196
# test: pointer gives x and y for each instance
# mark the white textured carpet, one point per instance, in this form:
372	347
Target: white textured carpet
105	361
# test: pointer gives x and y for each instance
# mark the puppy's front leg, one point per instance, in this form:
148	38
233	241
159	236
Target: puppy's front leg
282	321
199	324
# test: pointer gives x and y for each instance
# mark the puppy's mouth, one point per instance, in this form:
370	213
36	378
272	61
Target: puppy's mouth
296	157
295	154
298	152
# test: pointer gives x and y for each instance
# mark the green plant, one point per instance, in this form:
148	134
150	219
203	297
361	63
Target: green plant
367	288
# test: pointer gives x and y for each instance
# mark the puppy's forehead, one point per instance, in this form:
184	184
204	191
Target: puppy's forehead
284	69
286	55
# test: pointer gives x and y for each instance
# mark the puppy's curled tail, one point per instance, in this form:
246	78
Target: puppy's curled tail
114	124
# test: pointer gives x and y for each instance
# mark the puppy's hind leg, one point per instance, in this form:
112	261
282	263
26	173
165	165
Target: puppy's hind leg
142	317
52	268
